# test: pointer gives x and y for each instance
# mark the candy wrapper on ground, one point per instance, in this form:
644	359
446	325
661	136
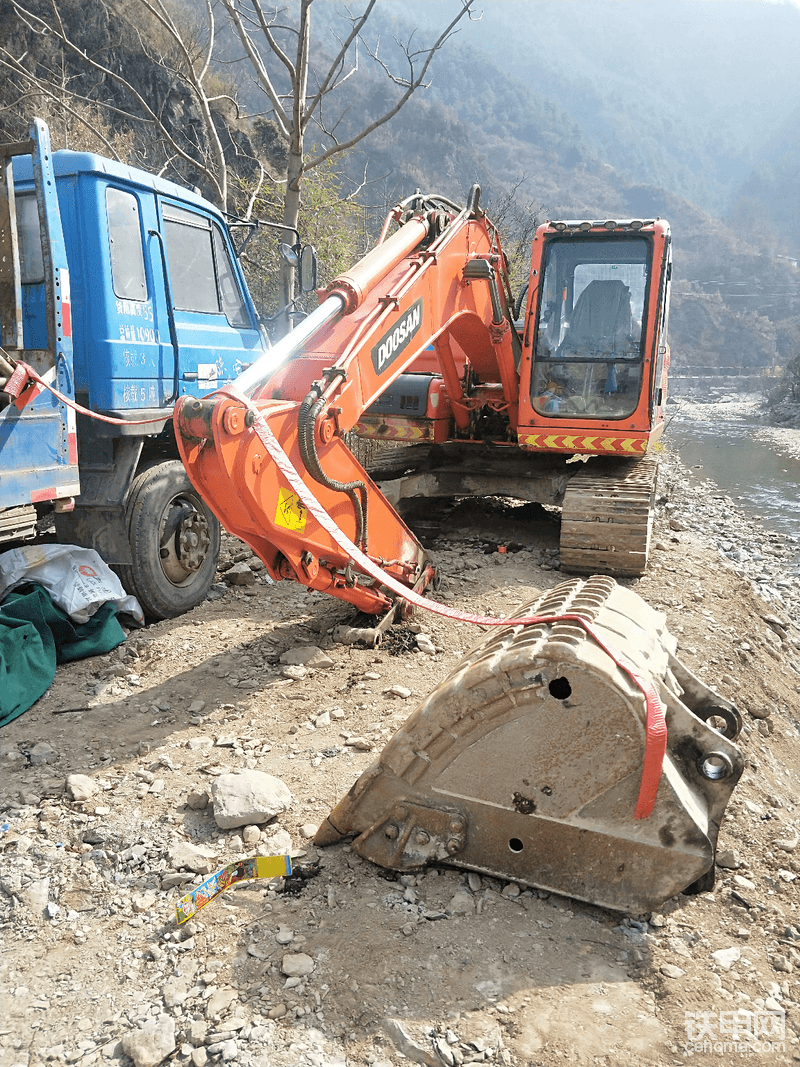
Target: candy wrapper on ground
243	871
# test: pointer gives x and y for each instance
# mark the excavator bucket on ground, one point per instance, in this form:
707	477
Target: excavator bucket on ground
526	763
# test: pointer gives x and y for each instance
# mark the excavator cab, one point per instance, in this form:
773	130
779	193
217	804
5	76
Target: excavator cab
593	357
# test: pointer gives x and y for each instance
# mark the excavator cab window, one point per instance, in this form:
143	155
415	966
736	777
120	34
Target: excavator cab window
588	353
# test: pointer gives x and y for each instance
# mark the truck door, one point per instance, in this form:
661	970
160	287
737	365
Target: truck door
214	323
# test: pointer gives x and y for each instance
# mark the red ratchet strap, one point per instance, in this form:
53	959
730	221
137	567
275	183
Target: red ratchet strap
655	726
24	374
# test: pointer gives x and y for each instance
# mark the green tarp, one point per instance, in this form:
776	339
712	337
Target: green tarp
35	635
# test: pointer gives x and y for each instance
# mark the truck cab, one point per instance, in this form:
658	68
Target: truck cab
158	309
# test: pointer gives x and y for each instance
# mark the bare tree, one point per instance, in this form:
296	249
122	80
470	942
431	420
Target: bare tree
264	37
515	213
187	66
296	80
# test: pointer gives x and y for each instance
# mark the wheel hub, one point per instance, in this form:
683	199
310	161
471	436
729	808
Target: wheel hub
184	552
193	541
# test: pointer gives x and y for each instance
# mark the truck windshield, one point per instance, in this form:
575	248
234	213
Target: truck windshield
588	355
201	272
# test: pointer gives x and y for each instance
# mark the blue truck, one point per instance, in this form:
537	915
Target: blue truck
123	291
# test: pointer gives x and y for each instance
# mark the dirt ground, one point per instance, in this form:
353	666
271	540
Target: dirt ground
438	967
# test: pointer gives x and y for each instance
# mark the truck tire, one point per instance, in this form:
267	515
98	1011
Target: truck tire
174	539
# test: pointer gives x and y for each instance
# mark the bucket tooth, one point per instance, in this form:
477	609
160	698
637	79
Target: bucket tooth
526	762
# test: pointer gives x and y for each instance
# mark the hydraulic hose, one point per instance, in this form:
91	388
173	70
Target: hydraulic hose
310	410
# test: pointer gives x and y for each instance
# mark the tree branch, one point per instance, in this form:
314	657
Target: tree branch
158	10
266	29
43	89
217	179
339	61
262	75
210	52
301	74
414	82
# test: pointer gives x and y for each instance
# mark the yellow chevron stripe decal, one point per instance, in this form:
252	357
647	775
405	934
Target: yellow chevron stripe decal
559	442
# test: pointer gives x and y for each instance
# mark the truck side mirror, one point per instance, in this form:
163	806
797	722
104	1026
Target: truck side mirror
308	269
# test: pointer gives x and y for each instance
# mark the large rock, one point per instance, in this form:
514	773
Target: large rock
278	843
219	1002
175	991
726	957
42	753
81	786
463	903
36	894
248	797
409	1046
150	1045
239	574
297	965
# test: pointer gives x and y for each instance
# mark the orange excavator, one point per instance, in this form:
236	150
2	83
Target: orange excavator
418	344
572	750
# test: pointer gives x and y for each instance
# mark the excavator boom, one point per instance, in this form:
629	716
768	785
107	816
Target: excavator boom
417	345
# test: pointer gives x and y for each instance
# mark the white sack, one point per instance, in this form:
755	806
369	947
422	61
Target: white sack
77	579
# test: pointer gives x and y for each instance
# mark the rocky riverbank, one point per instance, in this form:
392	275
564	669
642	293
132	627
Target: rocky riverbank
108	813
783	404
695	508
786	413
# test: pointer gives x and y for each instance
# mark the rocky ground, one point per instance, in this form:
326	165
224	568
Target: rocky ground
107	822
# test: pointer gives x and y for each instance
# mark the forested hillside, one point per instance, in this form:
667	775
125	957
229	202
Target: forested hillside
700	98
592	108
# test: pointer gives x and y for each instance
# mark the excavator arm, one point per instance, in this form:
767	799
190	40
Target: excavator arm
439	280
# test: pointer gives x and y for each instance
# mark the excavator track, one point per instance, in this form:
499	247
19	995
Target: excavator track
607	518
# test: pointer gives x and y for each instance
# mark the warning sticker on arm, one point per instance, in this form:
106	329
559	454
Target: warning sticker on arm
291	513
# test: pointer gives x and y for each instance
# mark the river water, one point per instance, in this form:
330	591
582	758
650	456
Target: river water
759	468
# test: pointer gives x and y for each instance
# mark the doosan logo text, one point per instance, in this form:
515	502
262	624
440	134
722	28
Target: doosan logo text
392	344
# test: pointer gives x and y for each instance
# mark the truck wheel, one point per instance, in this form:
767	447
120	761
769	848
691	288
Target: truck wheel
174	539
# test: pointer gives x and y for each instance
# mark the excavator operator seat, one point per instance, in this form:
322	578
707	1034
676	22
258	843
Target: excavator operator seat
601	322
